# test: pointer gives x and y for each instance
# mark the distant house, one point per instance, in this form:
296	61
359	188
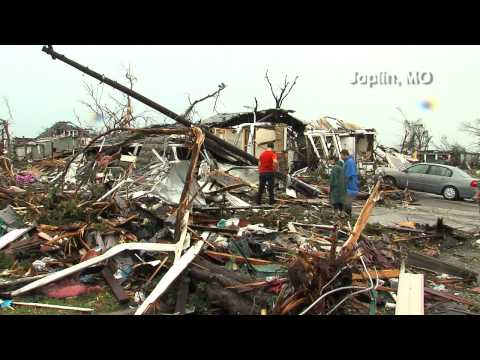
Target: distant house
64	129
60	139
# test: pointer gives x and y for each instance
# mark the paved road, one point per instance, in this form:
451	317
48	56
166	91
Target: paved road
463	215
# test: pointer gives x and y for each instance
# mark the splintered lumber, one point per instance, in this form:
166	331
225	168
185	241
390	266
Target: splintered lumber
95	260
183	211
238	259
120	294
216	275
410	295
362	219
11	283
175	271
266	207
232	302
323	227
451	297
432	264
12	236
382	274
226	188
214	229
50	306
406	229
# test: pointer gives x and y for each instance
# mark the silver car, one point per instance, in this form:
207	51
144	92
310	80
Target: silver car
449	181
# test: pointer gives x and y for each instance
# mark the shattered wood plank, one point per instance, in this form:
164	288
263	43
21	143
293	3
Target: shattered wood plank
226	188
433	264
12	283
44	236
175	270
417	237
382	274
215	229
92	261
238	259
410	295
323	227
406	229
451	297
235	201
362	219
115	286
13	235
266	207
112	190
183	211
50	306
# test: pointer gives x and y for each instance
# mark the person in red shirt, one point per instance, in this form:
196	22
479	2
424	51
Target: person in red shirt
267	166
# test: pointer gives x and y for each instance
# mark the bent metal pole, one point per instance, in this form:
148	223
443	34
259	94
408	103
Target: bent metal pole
182	120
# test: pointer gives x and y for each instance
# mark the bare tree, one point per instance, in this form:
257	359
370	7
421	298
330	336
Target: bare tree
455	150
284	90
472	128
5	128
117	111
190	112
415	135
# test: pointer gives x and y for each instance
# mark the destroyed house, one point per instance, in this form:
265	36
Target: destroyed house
251	132
462	159
61	138
64	129
172	147
325	141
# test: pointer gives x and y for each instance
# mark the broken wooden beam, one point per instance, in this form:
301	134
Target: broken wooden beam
447	296
362	219
238	259
95	260
175	271
226	188
433	264
50	306
24	280
410	295
265	207
118	292
382	274
214	229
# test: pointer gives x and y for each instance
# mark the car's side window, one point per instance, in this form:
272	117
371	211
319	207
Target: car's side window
440	171
418	169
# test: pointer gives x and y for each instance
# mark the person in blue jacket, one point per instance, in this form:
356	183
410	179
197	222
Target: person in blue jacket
351	180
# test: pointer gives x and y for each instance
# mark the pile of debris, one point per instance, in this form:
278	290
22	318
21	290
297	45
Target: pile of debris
162	218
187	228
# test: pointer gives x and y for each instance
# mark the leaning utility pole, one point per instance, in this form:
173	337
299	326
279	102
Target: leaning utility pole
225	145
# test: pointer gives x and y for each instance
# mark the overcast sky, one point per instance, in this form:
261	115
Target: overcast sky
42	91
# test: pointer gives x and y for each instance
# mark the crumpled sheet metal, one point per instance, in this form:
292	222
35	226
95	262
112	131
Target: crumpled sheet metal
171	184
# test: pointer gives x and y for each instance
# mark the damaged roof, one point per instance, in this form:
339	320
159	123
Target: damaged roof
276	116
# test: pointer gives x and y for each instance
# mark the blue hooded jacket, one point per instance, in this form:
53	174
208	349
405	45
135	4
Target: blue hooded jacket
351	176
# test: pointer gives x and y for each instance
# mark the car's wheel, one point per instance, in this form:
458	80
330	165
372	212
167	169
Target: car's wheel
450	193
388	180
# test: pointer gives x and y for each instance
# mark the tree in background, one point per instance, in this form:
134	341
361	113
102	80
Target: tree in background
114	111
284	90
455	150
472	128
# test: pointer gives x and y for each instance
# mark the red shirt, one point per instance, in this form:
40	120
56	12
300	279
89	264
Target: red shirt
266	161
